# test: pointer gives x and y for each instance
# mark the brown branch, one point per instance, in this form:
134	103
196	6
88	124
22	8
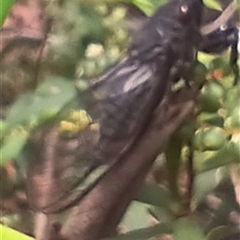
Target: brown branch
10	38
41	52
98	214
222	19
42	182
191	177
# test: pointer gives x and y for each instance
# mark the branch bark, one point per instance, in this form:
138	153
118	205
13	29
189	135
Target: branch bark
98	214
222	19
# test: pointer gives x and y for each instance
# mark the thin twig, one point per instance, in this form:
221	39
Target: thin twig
41	52
191	175
223	18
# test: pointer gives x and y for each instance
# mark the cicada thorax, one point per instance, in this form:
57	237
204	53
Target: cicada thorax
162	52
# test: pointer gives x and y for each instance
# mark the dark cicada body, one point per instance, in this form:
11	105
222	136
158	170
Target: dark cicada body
162	51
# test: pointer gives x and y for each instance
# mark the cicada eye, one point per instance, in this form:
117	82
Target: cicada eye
183	12
223	27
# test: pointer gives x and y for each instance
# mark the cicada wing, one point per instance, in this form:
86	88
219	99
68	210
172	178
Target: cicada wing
133	91
58	165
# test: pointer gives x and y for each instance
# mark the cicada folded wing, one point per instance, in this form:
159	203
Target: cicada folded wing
126	104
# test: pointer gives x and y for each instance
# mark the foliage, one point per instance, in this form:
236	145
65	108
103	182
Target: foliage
8	234
4	10
83	42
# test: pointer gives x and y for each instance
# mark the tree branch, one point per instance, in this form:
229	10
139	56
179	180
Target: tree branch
223	18
98	214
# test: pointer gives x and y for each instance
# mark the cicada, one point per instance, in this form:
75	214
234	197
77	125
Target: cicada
123	99
163	51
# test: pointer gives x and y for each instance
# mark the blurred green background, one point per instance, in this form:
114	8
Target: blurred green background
40	76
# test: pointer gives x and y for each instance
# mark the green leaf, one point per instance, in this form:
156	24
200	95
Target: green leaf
232	99
234	147
214	4
154	195
184	228
204	183
143	234
10	234
11	146
210	119
233	119
210	139
213	94
220	158
173	163
3	126
205	58
163	215
136	217
20	112
51	96
5	6
148	6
